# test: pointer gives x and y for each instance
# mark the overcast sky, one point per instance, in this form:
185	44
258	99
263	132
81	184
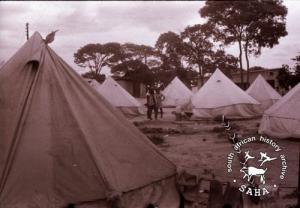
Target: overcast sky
80	23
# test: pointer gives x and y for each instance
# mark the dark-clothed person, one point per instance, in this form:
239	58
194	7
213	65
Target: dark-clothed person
150	103
158	101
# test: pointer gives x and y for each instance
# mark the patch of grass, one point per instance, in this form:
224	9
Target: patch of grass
156	139
173	131
235	126
151	130
218	129
218	118
136	123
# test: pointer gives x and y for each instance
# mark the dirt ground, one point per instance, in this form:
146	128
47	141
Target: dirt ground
201	147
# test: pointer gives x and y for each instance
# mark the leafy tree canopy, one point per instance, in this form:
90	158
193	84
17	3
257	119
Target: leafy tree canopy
252	24
226	62
96	56
296	67
134	70
92	75
170	48
198	47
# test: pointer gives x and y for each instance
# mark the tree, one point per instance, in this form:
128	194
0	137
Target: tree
164	77
225	62
252	24
139	52
284	77
296	69
266	24
135	70
96	56
92	75
297	65
170	48
198	47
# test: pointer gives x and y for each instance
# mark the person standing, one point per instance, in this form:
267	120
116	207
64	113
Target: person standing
150	103
158	100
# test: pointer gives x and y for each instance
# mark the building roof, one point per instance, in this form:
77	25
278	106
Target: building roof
257	71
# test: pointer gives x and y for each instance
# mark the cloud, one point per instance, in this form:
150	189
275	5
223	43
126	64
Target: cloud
80	23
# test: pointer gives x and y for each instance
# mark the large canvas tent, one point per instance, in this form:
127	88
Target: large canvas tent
2	63
282	120
95	84
62	143
263	92
220	96
176	93
119	97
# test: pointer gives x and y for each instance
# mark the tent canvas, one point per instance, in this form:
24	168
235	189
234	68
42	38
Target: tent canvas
220	96
176	93
2	63
282	120
95	84
263	92
119	97
62	143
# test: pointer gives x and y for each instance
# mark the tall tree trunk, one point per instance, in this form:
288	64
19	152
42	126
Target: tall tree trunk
145	58
201	74
241	63
247	61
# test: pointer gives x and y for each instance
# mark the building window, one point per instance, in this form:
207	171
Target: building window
271	74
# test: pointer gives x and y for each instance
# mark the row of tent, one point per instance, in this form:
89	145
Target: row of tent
63	145
117	96
220	96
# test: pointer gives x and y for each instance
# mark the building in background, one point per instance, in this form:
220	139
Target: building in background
270	76
136	89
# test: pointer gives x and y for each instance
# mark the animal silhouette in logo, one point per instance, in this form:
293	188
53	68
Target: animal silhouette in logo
253	171
265	158
247	157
